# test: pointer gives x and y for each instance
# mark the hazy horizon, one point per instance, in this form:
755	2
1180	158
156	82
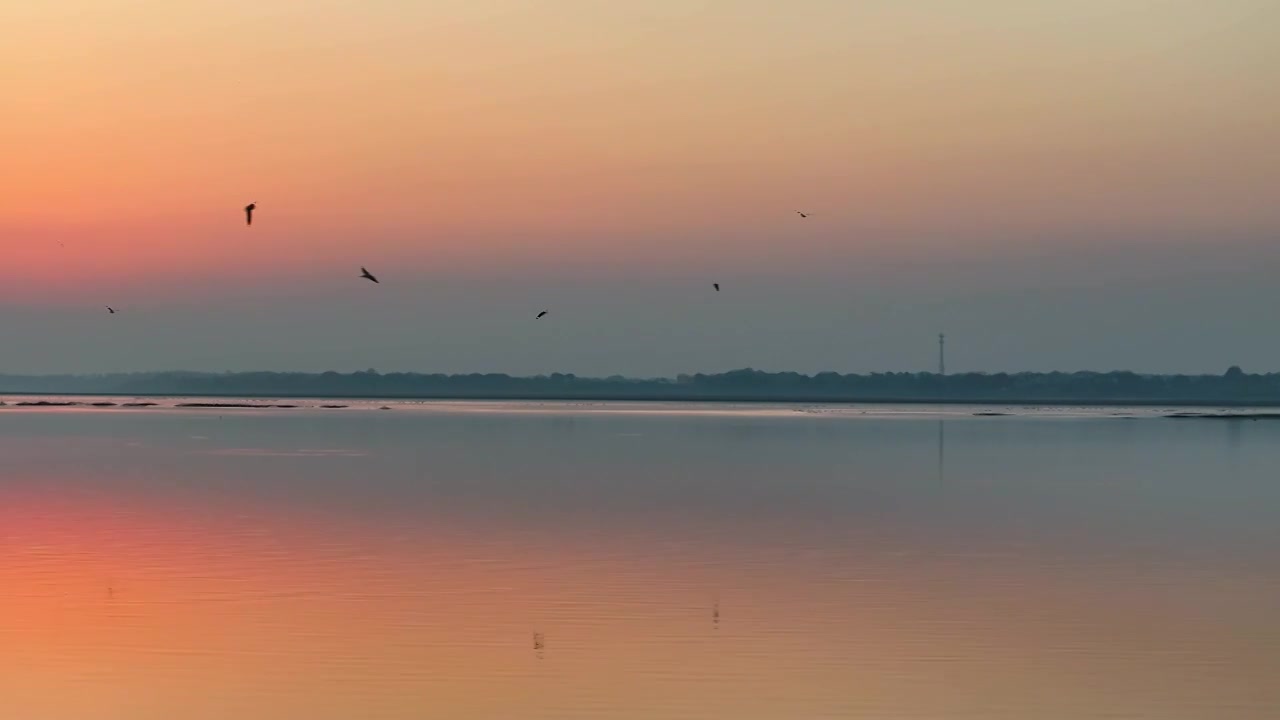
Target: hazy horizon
1056	187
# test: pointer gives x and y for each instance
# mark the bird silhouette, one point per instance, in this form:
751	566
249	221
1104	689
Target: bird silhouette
716	286
367	275
803	215
111	311
248	213
544	312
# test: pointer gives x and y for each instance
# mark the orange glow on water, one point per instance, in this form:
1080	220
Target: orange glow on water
144	605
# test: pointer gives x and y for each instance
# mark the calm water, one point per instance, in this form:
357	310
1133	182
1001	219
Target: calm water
597	561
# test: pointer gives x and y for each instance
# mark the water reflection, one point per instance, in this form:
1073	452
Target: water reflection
942	451
398	566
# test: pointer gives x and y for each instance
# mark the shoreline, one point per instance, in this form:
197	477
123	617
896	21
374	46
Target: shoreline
756	399
10	403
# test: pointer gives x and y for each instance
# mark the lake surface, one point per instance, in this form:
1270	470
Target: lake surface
544	560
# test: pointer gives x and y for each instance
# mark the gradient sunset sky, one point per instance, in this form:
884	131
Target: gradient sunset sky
1082	185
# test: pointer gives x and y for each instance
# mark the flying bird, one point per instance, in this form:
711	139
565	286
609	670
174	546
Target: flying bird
248	213
111	311
367	275
803	215
716	286
544	312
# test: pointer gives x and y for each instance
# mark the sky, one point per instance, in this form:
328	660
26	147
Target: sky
1085	185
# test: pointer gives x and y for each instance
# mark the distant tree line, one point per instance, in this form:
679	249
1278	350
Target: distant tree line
1233	387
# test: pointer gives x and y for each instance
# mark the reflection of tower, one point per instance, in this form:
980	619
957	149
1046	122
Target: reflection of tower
942	354
942	450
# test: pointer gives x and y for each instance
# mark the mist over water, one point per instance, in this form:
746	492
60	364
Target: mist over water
612	561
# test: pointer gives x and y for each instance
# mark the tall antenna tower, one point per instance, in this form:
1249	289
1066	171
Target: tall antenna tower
942	354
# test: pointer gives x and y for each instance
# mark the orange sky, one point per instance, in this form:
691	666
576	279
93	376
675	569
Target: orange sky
656	142
456	130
